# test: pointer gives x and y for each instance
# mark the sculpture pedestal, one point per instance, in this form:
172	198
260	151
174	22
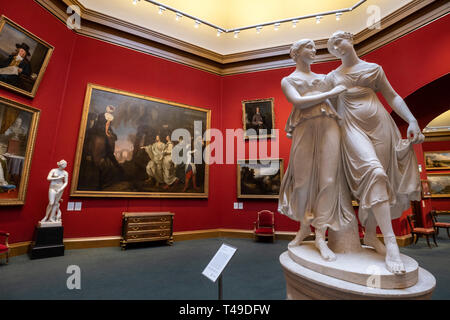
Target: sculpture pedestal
50	224
48	242
365	267
304	284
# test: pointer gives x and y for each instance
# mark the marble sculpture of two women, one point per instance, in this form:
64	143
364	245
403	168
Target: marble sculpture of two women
344	144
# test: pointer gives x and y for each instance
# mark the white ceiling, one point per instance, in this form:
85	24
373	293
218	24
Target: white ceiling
231	14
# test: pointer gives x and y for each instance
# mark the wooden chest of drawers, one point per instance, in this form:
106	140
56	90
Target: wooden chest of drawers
146	226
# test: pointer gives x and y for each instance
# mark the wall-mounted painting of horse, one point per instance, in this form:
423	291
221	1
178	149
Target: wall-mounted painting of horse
129	146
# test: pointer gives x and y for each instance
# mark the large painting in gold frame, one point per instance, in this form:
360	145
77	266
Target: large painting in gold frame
23	58
124	145
18	127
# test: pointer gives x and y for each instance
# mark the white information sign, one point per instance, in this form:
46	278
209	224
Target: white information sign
219	262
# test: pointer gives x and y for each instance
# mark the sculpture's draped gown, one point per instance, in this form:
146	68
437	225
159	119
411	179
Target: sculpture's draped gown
314	183
372	147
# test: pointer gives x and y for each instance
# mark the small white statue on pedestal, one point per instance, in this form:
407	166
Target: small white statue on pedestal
58	181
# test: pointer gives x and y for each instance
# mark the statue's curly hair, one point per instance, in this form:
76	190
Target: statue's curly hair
298	46
338	35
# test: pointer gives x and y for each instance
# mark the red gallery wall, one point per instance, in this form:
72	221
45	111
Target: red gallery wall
78	60
20	220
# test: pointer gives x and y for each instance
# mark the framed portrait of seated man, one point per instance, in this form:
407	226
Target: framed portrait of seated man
18	127
23	58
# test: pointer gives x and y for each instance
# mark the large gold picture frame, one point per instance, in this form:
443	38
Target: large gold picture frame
259	179
124	142
18	130
266	118
32	67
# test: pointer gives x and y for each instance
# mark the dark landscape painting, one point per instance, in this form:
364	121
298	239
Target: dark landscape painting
439	184
259	178
437	160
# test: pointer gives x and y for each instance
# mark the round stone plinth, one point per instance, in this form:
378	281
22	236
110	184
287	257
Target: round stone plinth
305	284
364	267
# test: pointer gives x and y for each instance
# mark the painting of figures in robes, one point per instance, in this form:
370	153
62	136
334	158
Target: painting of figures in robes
126	147
18	125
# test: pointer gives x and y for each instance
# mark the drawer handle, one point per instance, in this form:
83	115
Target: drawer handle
162	234
135	228
136	220
163	219
162	227
134	236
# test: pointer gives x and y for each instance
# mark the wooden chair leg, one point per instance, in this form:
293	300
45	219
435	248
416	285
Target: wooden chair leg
434	239
7	257
428	241
448	234
416	238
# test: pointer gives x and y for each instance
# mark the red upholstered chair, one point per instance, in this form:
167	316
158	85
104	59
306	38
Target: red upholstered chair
4	248
417	232
264	226
438	224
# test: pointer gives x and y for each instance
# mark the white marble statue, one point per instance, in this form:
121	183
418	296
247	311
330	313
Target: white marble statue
313	191
381	167
58	181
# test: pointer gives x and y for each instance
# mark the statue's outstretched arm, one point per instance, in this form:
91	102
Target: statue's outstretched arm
399	106
303	102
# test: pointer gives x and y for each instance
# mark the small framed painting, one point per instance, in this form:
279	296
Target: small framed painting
439	184
437	160
259	179
23	58
258	118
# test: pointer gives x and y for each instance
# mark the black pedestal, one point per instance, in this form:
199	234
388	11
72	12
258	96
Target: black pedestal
48	243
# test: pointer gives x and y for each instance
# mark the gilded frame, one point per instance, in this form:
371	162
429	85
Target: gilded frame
430	182
132	194
30	143
427	155
271	133
240	195
4	20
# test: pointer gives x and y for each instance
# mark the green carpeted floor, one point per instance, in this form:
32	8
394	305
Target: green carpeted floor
174	272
